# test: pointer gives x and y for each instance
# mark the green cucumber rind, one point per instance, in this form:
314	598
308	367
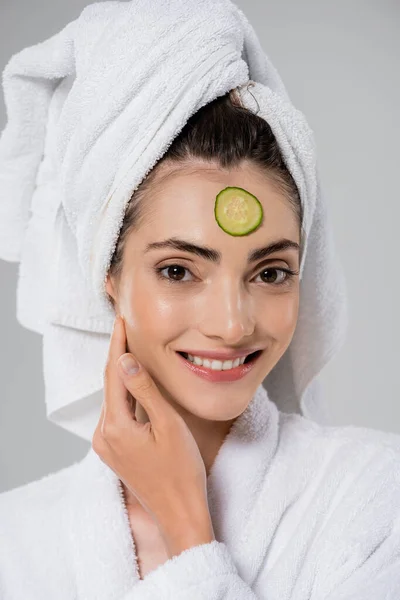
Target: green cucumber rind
250	229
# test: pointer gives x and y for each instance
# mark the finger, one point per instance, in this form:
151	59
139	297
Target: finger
116	404
142	387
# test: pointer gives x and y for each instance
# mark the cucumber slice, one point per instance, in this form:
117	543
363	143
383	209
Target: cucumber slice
237	212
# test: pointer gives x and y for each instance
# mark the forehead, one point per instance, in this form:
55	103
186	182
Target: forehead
182	203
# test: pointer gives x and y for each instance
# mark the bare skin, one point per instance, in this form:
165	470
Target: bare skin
227	306
150	546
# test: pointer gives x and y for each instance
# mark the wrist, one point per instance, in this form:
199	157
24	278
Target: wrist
183	539
182	533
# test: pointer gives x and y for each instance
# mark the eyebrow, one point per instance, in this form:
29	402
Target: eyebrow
215	256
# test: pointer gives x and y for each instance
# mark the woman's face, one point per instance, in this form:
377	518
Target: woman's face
212	301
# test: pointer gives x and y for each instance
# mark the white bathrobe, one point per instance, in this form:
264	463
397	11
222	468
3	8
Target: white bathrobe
300	511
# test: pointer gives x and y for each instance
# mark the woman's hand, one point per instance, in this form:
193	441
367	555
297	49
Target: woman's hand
158	461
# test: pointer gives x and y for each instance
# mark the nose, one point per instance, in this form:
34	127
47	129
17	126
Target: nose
228	313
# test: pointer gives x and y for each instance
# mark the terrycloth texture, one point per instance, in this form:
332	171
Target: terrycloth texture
90	112
300	512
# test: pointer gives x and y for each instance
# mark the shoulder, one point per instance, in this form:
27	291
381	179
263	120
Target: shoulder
344	485
33	529
41	495
353	467
364	456
351	473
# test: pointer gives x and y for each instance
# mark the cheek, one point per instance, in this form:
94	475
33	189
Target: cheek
280	316
152	311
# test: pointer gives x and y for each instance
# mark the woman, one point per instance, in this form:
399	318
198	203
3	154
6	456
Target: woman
196	483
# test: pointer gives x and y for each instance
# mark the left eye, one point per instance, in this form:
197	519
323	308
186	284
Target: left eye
284	275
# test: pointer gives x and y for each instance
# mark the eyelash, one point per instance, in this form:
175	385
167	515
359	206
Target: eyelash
289	274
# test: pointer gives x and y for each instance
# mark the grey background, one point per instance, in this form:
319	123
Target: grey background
340	64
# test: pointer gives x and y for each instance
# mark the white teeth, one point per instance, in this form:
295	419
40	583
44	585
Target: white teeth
227	364
216	365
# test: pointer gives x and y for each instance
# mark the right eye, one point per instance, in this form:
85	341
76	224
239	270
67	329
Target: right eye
175	273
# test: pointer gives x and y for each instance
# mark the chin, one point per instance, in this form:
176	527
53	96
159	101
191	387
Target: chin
212	404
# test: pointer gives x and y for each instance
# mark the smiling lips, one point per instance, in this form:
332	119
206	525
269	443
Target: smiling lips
209	367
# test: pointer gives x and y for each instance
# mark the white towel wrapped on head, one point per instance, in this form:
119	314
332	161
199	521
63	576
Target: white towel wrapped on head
90	112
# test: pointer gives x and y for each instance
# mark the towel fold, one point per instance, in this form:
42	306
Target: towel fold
90	111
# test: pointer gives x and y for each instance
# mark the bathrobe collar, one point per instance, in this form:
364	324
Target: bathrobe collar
102	545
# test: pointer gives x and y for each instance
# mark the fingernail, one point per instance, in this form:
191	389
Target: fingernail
130	365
